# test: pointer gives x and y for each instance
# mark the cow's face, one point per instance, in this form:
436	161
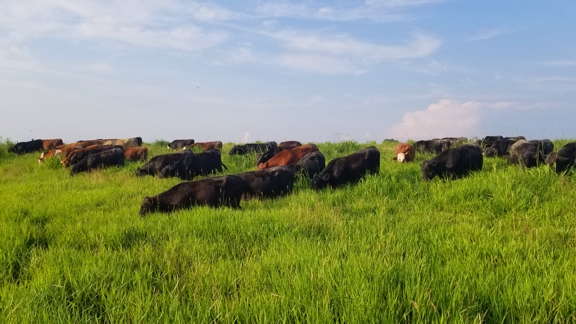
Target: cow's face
428	170
490	152
148	206
235	150
401	157
320	181
551	158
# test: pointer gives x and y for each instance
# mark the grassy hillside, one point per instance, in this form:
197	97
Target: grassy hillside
498	246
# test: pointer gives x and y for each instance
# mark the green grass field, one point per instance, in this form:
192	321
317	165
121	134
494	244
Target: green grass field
498	246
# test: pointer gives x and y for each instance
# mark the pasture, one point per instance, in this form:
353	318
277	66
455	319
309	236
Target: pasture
497	246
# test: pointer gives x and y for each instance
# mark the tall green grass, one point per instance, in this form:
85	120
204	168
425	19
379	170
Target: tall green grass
498	246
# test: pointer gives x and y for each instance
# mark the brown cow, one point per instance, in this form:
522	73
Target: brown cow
48	144
288	157
207	146
404	152
63	150
136	153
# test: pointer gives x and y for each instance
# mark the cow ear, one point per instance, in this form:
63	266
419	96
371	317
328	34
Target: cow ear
433	163
395	158
326	177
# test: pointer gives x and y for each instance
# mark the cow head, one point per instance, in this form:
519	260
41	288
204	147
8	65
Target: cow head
148	205
401	157
490	152
551	158
235	150
429	170
320	181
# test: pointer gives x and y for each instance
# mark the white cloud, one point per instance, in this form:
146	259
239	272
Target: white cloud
151	24
443	119
342	54
376	10
420	45
560	63
246	137
448	118
488	33
317	63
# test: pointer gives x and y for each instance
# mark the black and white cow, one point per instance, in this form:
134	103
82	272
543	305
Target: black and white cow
180	144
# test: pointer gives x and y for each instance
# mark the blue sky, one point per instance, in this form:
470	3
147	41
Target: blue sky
243	71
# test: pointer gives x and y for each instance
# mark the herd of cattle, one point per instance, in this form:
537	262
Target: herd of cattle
278	164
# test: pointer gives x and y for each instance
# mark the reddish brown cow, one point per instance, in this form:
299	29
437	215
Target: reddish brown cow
288	157
207	146
404	152
136	153
48	144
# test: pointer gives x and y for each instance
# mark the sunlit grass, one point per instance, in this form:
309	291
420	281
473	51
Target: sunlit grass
497	246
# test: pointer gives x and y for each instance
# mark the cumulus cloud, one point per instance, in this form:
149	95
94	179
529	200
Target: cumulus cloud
448	118
443	119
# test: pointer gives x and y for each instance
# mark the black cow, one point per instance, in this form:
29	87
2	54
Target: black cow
76	157
453	163
310	164
530	154
192	165
268	183
289	144
110	157
489	140
545	146
251	147
180	143
157	164
27	147
565	158
435	146
500	147
348	169
455	141
213	192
